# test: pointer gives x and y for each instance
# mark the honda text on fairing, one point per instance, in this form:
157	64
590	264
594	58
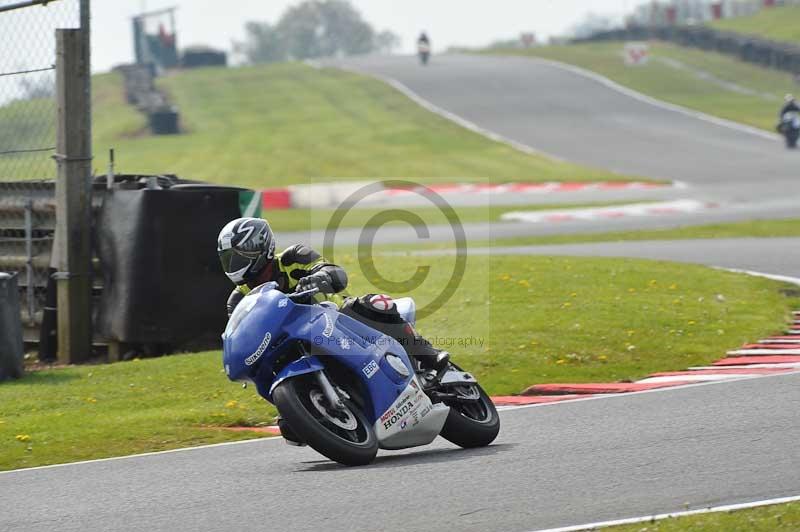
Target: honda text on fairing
344	388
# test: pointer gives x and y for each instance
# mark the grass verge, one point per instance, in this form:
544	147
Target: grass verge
514	321
312	219
683	86
289	123
777	518
752	228
778	23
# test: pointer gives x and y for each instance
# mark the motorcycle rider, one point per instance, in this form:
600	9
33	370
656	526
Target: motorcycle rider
423	40
246	248
789	106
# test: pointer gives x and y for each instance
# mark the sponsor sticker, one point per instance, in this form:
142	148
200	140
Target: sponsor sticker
283	302
381	302
252	359
370	369
397	415
328	332
345	344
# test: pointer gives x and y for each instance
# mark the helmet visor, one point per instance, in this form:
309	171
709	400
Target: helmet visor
233	262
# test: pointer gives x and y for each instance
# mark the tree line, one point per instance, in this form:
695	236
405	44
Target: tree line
314	29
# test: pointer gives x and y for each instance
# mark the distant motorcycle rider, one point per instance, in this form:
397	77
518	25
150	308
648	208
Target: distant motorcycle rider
423	40
789	106
246	248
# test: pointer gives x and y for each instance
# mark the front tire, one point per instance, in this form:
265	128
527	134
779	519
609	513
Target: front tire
345	437
474	424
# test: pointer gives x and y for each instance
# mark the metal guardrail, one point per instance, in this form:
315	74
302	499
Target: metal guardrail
771	54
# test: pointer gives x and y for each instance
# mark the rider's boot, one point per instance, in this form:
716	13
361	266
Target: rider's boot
434	362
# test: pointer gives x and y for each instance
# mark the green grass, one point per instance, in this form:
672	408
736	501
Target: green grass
27	125
776	518
514	321
752	228
310	219
682	87
778	23
288	123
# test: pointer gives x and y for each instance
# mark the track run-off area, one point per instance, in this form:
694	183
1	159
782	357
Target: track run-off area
553	465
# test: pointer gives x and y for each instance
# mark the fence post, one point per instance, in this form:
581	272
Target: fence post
73	197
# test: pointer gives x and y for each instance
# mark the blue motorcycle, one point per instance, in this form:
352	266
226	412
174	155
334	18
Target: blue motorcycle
344	388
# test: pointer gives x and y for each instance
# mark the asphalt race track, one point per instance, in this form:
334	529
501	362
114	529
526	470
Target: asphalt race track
554	465
770	256
579	119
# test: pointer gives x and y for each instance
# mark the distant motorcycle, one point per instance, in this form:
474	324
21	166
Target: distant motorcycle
424	51
789	127
344	388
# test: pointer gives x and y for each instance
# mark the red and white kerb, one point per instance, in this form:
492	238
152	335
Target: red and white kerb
381	302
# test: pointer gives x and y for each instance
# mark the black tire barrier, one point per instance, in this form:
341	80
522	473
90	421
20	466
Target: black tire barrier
164	122
164	286
204	58
11	347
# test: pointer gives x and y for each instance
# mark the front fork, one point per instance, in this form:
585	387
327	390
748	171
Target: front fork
328	391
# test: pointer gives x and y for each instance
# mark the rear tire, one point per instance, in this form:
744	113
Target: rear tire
299	399
472	425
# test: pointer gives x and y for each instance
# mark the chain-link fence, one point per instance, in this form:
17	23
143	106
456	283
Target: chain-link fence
28	124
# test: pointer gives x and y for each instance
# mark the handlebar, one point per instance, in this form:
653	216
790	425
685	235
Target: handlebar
303	294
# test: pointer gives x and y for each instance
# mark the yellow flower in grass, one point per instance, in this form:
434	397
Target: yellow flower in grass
23	437
232	404
91	400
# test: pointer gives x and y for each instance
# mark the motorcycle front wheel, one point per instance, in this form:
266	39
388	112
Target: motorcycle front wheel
344	436
471	424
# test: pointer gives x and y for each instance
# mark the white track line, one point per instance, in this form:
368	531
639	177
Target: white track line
602	213
774	277
154	453
764	352
609	396
779	365
648	518
444	113
705	377
636	95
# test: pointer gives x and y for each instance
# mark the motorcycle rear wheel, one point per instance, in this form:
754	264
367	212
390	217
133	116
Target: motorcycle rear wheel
343	436
472	425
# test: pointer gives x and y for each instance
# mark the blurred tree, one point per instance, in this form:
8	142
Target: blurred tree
386	42
313	29
262	44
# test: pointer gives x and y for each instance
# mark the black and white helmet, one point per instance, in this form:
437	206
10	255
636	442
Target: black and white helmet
245	247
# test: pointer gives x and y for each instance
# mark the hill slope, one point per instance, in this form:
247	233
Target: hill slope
777	23
289	123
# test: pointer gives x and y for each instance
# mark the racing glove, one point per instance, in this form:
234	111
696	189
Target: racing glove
320	280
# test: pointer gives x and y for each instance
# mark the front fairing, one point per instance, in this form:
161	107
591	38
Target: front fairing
271	327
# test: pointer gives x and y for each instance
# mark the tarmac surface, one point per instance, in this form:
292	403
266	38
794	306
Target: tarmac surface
554	465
